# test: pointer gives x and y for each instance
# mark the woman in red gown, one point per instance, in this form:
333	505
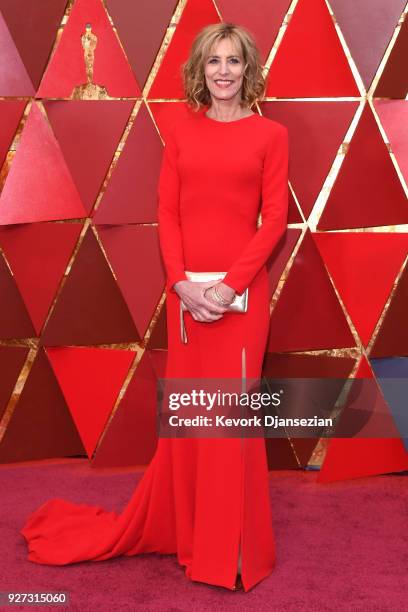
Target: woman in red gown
204	499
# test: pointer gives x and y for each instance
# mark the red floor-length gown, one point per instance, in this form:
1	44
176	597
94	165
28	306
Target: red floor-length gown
202	499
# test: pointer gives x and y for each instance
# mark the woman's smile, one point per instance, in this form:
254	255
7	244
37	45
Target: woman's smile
223	83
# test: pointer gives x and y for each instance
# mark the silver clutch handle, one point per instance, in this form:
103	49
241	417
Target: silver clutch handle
183	332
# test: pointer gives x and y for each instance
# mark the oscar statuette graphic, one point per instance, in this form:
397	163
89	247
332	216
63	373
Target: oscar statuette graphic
89	90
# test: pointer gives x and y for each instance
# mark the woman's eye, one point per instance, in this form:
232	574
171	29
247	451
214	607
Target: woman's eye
234	60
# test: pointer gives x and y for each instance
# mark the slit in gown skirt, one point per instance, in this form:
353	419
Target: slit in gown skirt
205	500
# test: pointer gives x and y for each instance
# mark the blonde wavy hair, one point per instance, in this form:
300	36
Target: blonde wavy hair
192	71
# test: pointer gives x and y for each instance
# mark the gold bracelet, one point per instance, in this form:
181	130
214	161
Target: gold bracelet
220	298
217	297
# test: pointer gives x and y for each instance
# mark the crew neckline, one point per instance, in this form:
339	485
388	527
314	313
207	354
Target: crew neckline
229	122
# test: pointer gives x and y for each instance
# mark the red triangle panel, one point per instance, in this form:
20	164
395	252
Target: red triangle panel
39	186
38	254
90	380
66	69
364	266
310	61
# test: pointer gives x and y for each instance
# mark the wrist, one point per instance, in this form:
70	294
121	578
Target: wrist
178	284
226	293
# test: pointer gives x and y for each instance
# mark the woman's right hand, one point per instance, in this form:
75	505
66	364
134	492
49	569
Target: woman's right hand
192	294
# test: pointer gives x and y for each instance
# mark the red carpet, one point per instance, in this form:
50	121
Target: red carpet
340	546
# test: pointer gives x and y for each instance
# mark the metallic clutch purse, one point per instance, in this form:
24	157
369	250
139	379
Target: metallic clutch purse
239	304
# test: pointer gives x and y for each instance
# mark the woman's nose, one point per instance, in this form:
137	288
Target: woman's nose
224	68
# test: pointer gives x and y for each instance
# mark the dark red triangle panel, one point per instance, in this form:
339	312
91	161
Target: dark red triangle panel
33	26
11	112
141	43
90	308
392	337
88	132
14	78
131	193
367	26
307	315
41	426
134	254
261	17
131	437
367	191
15	321
393	82
316	132
12	359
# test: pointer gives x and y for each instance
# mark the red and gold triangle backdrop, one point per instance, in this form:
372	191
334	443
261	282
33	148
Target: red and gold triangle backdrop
87	88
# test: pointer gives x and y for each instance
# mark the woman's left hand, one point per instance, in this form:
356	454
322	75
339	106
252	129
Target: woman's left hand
227	292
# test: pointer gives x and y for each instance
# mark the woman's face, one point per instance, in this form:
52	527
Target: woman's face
224	69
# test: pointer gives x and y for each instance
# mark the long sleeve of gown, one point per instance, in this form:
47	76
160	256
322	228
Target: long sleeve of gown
170	237
274	211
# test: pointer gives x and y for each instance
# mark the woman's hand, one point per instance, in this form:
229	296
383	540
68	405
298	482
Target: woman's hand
201	307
